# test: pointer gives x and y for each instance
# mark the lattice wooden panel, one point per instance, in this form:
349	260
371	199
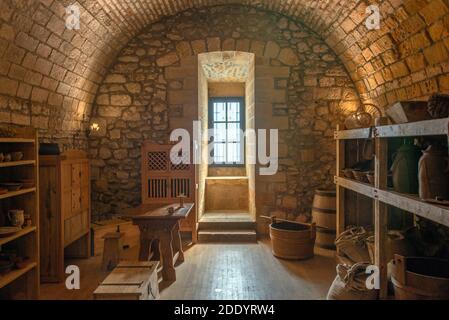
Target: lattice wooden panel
158	160
183	166
162	180
158	188
180	186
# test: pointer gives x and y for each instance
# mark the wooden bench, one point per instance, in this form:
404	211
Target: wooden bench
130	280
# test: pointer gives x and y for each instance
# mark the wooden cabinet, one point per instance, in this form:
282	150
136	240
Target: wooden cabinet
65	209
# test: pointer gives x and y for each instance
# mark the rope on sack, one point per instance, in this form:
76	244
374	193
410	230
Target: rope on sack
356	235
354	277
352	244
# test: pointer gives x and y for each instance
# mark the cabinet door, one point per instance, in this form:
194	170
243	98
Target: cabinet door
76	188
66	190
85	187
85	196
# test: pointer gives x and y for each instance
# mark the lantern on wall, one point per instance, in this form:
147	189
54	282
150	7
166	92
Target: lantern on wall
361	118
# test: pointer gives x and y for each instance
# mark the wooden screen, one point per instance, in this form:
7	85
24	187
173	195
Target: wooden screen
163	181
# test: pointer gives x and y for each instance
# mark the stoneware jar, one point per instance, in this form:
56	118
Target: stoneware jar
405	168
434	174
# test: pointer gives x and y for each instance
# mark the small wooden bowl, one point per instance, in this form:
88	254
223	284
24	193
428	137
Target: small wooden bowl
27	183
359	175
347	173
370	177
16	156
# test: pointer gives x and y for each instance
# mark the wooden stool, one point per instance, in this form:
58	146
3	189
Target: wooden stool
112	249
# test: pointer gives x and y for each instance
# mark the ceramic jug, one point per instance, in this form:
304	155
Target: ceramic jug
16	218
405	168
434	174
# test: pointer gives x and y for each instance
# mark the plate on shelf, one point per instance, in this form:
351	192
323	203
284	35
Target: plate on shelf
5	266
11	186
8	231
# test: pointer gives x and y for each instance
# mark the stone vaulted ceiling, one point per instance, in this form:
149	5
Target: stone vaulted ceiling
42	61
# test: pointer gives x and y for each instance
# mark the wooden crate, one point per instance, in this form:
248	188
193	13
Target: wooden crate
130	280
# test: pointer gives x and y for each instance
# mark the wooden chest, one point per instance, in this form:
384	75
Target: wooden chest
130	280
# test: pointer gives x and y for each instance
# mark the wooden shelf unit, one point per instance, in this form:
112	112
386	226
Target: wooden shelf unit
21	283
383	197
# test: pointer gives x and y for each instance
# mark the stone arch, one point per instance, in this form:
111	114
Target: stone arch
152	88
50	75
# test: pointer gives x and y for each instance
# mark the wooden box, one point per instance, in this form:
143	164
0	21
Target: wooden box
65	211
130	280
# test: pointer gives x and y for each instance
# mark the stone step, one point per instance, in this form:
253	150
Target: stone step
226	220
222	225
227	180
228	236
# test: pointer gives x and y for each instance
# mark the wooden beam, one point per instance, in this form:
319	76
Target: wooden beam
412	129
359	187
410	203
340	190
380	212
363	133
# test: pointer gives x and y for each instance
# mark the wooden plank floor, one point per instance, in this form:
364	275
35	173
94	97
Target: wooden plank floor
223	271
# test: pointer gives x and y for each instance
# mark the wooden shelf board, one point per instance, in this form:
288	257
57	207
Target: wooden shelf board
17	163
17	193
16	140
411	203
363	133
412	129
14	274
359	187
405	202
17	235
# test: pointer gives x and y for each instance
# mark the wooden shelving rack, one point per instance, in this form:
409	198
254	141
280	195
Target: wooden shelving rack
382	197
21	283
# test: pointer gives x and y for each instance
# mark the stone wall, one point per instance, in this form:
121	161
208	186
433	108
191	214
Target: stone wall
152	87
44	62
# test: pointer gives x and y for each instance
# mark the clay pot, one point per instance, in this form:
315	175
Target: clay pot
434	174
405	168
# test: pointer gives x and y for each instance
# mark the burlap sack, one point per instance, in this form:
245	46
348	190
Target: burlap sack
350	284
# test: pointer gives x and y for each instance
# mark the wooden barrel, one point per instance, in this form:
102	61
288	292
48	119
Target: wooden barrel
419	278
292	240
325	238
324	209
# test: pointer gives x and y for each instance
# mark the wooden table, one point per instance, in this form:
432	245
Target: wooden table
159	233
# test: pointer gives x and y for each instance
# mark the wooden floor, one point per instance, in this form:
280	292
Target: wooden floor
223	271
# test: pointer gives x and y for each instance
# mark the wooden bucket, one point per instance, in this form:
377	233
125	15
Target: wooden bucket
324	209
325	238
292	240
419	278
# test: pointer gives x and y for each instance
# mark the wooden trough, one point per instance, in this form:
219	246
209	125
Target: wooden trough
292	240
419	278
